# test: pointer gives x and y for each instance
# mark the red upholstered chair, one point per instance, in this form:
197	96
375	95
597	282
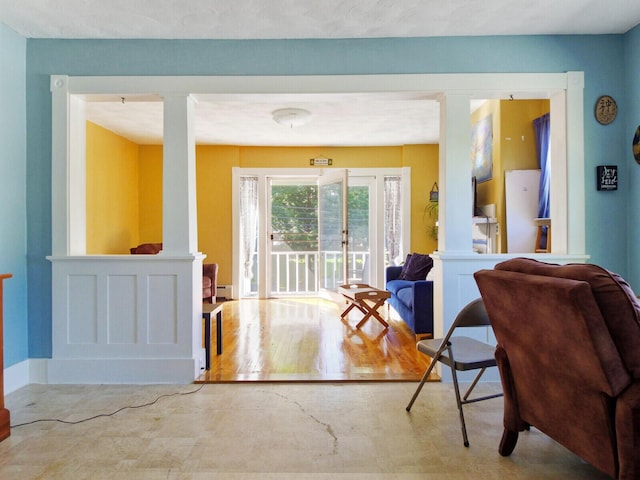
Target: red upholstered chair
209	282
146	249
569	358
209	270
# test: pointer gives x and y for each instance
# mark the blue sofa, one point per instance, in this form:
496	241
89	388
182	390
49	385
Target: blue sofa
412	299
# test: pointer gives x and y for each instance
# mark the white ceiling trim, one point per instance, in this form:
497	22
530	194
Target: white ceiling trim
385	110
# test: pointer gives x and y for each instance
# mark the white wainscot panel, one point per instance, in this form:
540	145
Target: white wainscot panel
82	314
163	316
122	314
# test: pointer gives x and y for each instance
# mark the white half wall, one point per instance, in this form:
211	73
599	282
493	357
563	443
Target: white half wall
126	319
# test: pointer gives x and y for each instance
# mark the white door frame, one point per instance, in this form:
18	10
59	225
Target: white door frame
376	240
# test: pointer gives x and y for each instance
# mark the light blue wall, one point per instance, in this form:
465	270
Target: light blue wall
602	58
631	113
13	210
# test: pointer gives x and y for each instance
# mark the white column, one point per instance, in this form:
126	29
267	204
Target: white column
77	176
455	224
68	170
576	244
179	216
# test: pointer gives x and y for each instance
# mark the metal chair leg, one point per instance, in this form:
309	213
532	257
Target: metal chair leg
456	387
474	383
422	382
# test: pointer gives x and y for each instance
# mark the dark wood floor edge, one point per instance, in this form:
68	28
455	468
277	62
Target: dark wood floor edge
328	381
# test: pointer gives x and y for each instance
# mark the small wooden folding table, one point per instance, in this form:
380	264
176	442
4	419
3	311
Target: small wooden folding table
209	310
358	295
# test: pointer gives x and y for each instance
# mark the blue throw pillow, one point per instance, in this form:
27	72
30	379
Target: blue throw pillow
417	267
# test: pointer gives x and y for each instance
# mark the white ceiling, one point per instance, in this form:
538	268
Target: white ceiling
336	121
344	120
314	18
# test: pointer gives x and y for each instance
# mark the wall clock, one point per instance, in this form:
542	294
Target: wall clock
606	109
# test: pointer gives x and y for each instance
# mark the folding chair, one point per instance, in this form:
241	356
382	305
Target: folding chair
470	354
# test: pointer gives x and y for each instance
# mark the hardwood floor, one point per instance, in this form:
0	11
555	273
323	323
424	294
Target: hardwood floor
304	339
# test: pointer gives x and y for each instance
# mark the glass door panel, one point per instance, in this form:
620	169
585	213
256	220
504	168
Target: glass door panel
293	239
333	241
359	228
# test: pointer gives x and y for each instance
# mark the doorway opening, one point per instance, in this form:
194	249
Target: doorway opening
307	235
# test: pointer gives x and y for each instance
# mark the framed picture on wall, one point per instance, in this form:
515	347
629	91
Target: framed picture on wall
607	177
482	149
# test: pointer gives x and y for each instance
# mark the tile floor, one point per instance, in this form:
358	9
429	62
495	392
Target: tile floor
272	431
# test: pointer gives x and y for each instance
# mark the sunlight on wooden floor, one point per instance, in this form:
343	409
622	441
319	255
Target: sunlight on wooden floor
304	339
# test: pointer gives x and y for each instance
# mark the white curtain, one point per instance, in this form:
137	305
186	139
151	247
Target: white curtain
248	222
392	219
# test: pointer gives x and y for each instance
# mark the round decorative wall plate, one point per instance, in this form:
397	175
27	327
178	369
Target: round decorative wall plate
606	109
636	145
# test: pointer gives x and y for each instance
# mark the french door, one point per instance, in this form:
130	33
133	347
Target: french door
315	233
307	242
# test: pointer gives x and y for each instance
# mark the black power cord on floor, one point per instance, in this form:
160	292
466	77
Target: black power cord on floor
129	407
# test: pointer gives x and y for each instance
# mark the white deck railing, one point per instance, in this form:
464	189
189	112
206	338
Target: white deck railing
297	273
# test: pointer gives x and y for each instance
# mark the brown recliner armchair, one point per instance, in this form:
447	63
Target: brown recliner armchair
569	358
209	270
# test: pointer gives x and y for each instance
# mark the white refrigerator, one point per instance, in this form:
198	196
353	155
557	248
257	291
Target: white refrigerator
521	188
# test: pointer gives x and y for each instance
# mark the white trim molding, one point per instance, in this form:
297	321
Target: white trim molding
83	322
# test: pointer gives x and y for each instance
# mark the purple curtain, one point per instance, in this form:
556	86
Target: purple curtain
541	126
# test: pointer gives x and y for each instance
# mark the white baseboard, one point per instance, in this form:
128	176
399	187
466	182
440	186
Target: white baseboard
114	371
38	370
16	376
121	371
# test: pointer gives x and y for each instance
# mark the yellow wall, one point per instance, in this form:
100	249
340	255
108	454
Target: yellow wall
423	160
342	157
124	181
112	192
514	148
124	189
518	136
150	194
213	171
213	185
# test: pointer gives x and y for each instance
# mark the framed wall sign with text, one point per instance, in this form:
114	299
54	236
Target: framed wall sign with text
607	177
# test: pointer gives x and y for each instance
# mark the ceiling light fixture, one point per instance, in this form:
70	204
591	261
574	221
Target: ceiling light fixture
291	117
